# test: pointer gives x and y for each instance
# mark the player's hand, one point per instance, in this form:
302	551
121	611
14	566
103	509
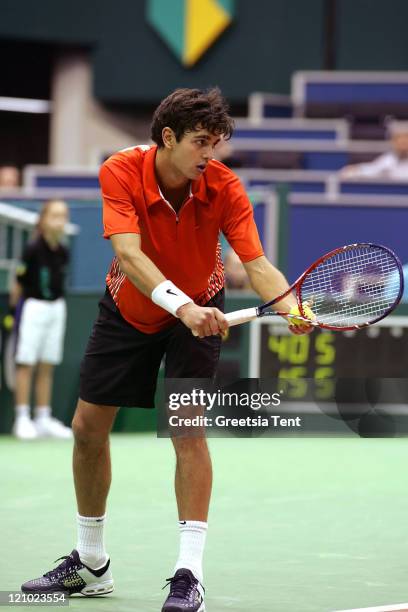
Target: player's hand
300	330
298	326
203	321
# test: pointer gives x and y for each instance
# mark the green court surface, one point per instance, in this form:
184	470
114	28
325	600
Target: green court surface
306	525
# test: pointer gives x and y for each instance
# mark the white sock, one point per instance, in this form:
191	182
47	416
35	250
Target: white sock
22	410
192	541
90	546
42	412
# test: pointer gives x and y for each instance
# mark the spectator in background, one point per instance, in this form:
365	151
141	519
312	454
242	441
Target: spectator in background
9	177
393	165
38	297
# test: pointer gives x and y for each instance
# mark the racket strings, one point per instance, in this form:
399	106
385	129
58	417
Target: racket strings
352	287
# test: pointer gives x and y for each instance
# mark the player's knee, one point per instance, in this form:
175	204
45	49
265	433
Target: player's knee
86	435
92	423
190	446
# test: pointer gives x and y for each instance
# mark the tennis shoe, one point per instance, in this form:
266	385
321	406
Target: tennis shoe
72	576
186	593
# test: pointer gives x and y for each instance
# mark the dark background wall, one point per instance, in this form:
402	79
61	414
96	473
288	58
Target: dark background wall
268	41
372	35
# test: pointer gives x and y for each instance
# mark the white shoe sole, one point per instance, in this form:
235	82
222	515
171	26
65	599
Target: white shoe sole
98	588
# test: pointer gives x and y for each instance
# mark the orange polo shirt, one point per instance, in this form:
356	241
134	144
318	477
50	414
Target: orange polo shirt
184	246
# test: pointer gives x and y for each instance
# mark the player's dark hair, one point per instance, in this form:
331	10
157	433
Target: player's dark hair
187	110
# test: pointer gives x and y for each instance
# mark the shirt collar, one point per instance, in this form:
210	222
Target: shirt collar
150	186
152	190
199	189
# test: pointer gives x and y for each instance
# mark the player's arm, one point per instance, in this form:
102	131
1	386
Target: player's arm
147	277
268	282
143	273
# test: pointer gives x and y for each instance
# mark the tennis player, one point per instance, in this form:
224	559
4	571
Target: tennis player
164	207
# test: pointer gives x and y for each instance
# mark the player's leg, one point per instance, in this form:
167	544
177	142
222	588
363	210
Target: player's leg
92	474
92	477
193	478
191	357
119	368
120	364
91	458
193	483
87	568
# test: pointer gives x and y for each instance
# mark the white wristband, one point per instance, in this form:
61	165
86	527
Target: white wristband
169	297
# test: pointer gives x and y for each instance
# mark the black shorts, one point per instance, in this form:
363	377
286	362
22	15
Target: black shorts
121	363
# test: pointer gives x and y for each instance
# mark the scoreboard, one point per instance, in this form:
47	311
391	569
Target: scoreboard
356	379
380	351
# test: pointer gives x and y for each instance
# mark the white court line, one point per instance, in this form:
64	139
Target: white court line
403	607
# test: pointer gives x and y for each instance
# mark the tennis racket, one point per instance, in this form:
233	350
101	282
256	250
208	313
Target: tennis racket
349	288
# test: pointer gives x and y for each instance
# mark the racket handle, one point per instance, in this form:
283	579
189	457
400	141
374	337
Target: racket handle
241	316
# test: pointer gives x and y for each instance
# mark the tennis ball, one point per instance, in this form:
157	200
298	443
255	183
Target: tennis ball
308	315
